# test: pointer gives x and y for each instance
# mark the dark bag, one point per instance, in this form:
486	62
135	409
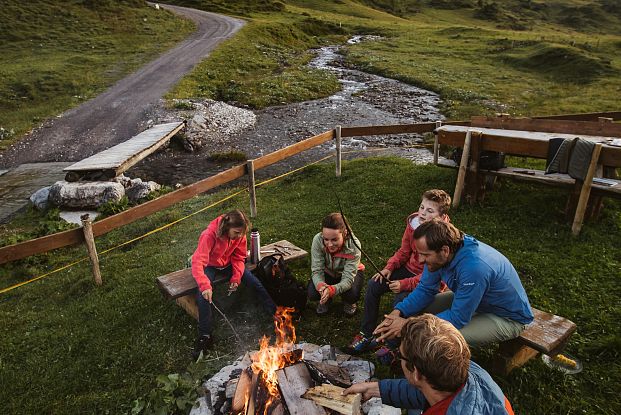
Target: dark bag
281	285
490	160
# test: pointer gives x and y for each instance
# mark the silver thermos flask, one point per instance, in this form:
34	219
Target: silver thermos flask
255	246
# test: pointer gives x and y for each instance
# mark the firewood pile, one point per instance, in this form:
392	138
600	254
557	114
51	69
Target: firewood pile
310	382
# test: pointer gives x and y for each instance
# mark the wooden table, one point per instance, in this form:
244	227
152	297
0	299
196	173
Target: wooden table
471	179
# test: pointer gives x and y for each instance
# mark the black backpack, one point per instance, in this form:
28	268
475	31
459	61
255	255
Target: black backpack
281	285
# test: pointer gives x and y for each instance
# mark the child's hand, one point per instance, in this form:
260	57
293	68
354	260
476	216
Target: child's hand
382	275
233	287
207	295
395	286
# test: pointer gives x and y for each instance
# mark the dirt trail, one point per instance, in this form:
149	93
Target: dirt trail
116	115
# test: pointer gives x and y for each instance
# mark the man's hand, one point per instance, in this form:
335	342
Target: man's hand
367	389
395	286
382	275
390	327
207	294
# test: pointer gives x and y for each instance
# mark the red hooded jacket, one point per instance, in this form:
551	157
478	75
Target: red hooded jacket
218	251
407	256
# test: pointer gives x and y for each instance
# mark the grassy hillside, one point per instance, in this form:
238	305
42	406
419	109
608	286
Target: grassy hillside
55	55
67	346
517	56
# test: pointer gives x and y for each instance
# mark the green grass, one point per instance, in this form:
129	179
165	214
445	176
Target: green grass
56	55
67	346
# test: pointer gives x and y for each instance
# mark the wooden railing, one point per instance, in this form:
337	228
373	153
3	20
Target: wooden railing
76	236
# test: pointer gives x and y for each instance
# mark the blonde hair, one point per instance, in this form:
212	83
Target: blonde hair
437	350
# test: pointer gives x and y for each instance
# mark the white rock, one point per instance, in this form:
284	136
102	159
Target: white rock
40	198
139	190
374	406
201	407
359	370
75	216
85	194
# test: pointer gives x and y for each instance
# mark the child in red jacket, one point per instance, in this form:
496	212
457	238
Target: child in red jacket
402	271
222	247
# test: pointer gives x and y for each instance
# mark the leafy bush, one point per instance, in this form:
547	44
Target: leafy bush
112	208
175	394
52	223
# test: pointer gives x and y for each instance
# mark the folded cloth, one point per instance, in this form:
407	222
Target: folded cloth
571	157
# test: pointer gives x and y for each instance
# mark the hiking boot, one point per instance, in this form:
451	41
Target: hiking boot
386	356
361	344
349	309
203	344
322	309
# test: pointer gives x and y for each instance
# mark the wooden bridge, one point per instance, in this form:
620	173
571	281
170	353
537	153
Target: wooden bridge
115	160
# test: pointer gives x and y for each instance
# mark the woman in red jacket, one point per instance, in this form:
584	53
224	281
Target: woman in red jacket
222	247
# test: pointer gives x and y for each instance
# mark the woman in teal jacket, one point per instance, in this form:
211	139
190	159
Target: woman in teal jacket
335	266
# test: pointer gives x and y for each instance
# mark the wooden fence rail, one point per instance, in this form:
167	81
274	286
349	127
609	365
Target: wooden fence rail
76	236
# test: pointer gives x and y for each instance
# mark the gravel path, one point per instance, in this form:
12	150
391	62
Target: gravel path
117	114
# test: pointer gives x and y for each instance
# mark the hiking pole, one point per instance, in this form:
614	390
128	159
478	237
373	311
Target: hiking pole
228	322
351	235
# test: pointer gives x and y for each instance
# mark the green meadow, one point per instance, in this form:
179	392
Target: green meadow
67	346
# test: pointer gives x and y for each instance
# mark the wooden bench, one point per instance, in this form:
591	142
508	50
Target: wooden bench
181	286
547	334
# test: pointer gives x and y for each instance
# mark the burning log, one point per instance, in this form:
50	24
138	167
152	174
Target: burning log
293	381
242	392
332	397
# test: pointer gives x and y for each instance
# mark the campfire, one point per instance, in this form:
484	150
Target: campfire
273	384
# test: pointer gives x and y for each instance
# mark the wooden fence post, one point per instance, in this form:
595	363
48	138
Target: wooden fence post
87	227
337	138
585	192
251	188
436	144
459	186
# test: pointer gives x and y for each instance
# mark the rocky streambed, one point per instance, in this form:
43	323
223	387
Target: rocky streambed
365	99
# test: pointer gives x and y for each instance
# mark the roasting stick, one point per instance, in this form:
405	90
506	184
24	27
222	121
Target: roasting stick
228	322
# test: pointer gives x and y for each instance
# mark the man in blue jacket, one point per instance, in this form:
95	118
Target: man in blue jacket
487	302
440	378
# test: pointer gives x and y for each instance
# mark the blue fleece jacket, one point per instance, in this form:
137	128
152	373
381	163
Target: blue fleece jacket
483	281
480	395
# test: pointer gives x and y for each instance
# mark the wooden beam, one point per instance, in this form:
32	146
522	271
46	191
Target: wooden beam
585	192
87	227
592	116
138	212
251	188
337	140
597	128
39	245
459	185
291	150
331	397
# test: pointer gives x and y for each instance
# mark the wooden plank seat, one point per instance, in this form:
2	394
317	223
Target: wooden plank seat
181	286
547	334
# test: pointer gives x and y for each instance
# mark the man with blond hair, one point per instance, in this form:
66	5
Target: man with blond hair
440	378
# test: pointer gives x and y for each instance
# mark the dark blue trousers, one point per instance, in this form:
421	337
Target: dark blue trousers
205	312
375	290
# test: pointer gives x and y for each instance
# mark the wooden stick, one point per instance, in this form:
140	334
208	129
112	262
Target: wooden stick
459	186
586	191
337	139
436	144
251	188
87	227
331	397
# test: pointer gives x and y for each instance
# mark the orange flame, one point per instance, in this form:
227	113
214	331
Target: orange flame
271	358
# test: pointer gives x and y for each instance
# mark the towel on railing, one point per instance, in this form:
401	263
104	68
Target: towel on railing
569	156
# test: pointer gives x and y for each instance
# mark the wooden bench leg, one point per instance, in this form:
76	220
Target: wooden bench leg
188	303
512	354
